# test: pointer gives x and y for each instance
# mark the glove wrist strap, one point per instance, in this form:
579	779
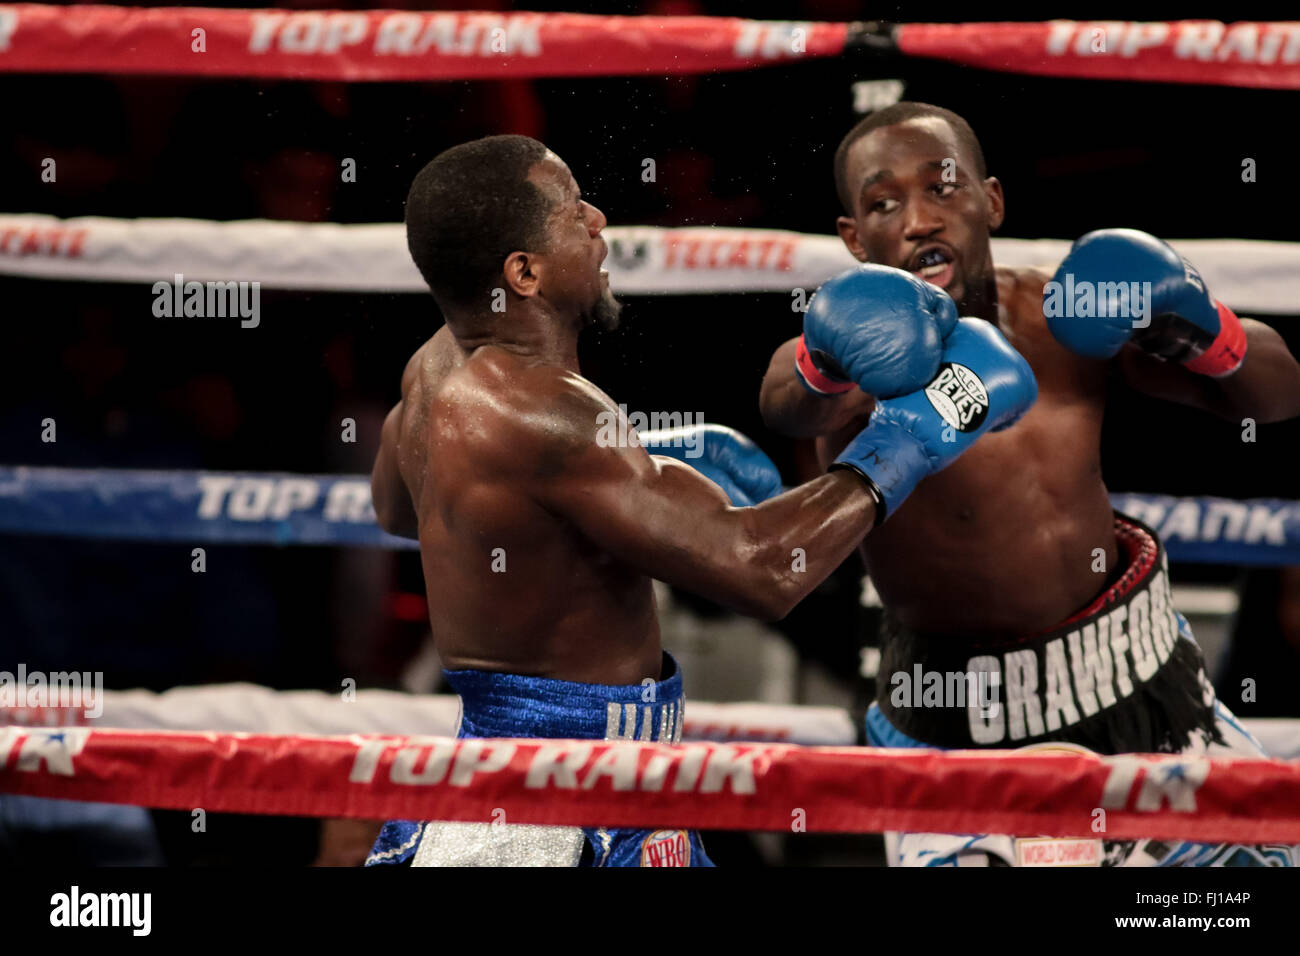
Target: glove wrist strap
812	377
872	488
1228	350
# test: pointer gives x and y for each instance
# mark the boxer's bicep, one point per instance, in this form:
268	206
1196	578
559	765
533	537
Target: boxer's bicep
659	515
663	518
654	514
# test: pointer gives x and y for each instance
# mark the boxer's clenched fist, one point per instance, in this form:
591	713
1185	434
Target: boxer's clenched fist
982	384
878	328
1122	285
723	455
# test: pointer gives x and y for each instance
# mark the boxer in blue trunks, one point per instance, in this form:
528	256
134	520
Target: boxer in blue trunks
1011	563
542	517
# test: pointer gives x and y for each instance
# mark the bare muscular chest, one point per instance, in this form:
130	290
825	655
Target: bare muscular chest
1052	453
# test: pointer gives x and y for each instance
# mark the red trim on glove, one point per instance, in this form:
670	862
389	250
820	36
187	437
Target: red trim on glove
812	376
1226	352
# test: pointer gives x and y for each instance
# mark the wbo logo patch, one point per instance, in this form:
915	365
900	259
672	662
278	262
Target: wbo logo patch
666	848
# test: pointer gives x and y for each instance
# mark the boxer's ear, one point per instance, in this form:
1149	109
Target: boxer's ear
522	273
848	230
997	203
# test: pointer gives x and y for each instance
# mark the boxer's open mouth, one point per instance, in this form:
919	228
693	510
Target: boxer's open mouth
933	264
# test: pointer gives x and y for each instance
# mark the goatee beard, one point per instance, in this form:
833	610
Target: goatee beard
604	314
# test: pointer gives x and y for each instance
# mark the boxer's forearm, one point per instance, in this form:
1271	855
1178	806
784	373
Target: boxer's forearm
797	539
1267	386
665	519
790	409
764	560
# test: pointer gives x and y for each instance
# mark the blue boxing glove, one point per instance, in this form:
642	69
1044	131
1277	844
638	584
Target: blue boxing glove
982	384
878	328
724	456
1122	285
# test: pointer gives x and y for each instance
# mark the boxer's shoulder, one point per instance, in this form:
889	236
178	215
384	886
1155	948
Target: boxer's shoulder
500	408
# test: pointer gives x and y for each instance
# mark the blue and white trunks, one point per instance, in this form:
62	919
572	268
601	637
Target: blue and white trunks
513	705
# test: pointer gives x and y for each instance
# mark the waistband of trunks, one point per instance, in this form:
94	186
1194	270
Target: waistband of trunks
1116	676
516	705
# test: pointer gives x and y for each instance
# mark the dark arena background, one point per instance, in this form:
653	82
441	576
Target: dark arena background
742	149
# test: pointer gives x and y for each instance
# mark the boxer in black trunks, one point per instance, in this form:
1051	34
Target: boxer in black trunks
1016	545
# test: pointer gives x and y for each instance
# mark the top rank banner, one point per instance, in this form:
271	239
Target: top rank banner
446	45
1264	55
704	786
392	44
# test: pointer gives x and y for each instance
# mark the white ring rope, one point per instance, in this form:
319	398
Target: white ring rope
1248	275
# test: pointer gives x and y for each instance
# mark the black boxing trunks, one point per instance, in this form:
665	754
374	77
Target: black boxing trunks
1123	675
1120	676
